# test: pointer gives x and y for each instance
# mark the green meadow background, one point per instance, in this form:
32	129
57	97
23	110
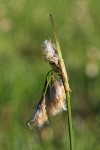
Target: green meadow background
24	25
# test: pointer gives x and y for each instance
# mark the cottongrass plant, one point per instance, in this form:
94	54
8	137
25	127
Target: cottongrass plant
55	91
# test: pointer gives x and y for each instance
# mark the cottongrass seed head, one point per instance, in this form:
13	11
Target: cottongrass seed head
55	97
49	52
39	117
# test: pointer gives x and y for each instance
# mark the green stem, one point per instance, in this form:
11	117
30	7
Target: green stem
48	81
66	84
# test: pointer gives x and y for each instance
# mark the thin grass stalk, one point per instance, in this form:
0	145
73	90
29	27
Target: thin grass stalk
48	81
65	82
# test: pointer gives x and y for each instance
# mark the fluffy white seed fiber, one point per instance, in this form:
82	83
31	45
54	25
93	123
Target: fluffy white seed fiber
49	52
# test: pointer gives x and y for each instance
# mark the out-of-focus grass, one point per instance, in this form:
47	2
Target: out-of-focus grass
24	24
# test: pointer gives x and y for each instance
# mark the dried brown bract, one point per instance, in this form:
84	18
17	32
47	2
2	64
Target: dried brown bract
39	117
55	97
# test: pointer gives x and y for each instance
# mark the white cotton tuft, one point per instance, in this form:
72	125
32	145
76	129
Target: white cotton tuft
49	52
55	98
48	48
39	117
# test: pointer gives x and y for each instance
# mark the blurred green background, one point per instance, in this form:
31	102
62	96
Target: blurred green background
24	25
